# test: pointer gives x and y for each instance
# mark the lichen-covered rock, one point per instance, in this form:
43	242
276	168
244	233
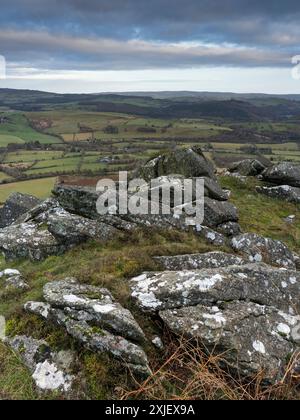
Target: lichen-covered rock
92	316
247	314
247	167
199	261
47	230
101	340
284	173
230	229
95	304
259	283
13	279
187	162
16	205
252	338
259	248
76	229
40	360
211	236
282	192
28	240
212	188
78	200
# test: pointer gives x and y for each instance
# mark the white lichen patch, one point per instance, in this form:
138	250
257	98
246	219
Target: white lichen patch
73	299
259	347
283	329
104	309
48	377
9	273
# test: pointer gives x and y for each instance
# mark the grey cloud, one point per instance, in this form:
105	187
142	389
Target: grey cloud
103	53
129	34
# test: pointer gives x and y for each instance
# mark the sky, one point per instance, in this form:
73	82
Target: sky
150	45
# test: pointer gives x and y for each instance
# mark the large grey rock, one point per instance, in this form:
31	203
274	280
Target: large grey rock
91	316
47	230
248	314
259	248
75	229
187	162
28	240
282	192
40	360
284	173
247	167
251	338
199	261
78	200
259	283
98	303
218	212
16	205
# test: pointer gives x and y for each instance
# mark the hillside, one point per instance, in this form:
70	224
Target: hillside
140	307
234	107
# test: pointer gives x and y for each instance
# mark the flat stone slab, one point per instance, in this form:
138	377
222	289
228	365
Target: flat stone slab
255	282
198	261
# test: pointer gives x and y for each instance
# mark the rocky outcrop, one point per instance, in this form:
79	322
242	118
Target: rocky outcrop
187	162
92	316
199	261
49	230
48	371
259	248
282	192
284	173
247	167
217	213
247	314
16	205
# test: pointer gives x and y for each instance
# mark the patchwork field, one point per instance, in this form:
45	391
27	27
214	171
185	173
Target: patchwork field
81	126
82	143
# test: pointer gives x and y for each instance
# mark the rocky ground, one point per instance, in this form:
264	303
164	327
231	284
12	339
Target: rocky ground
95	306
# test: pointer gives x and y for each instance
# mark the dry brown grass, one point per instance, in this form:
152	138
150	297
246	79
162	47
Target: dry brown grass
191	373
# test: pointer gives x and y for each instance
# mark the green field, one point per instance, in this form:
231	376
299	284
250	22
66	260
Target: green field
40	188
17	129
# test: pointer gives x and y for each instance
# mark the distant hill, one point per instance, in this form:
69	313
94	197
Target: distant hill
229	106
